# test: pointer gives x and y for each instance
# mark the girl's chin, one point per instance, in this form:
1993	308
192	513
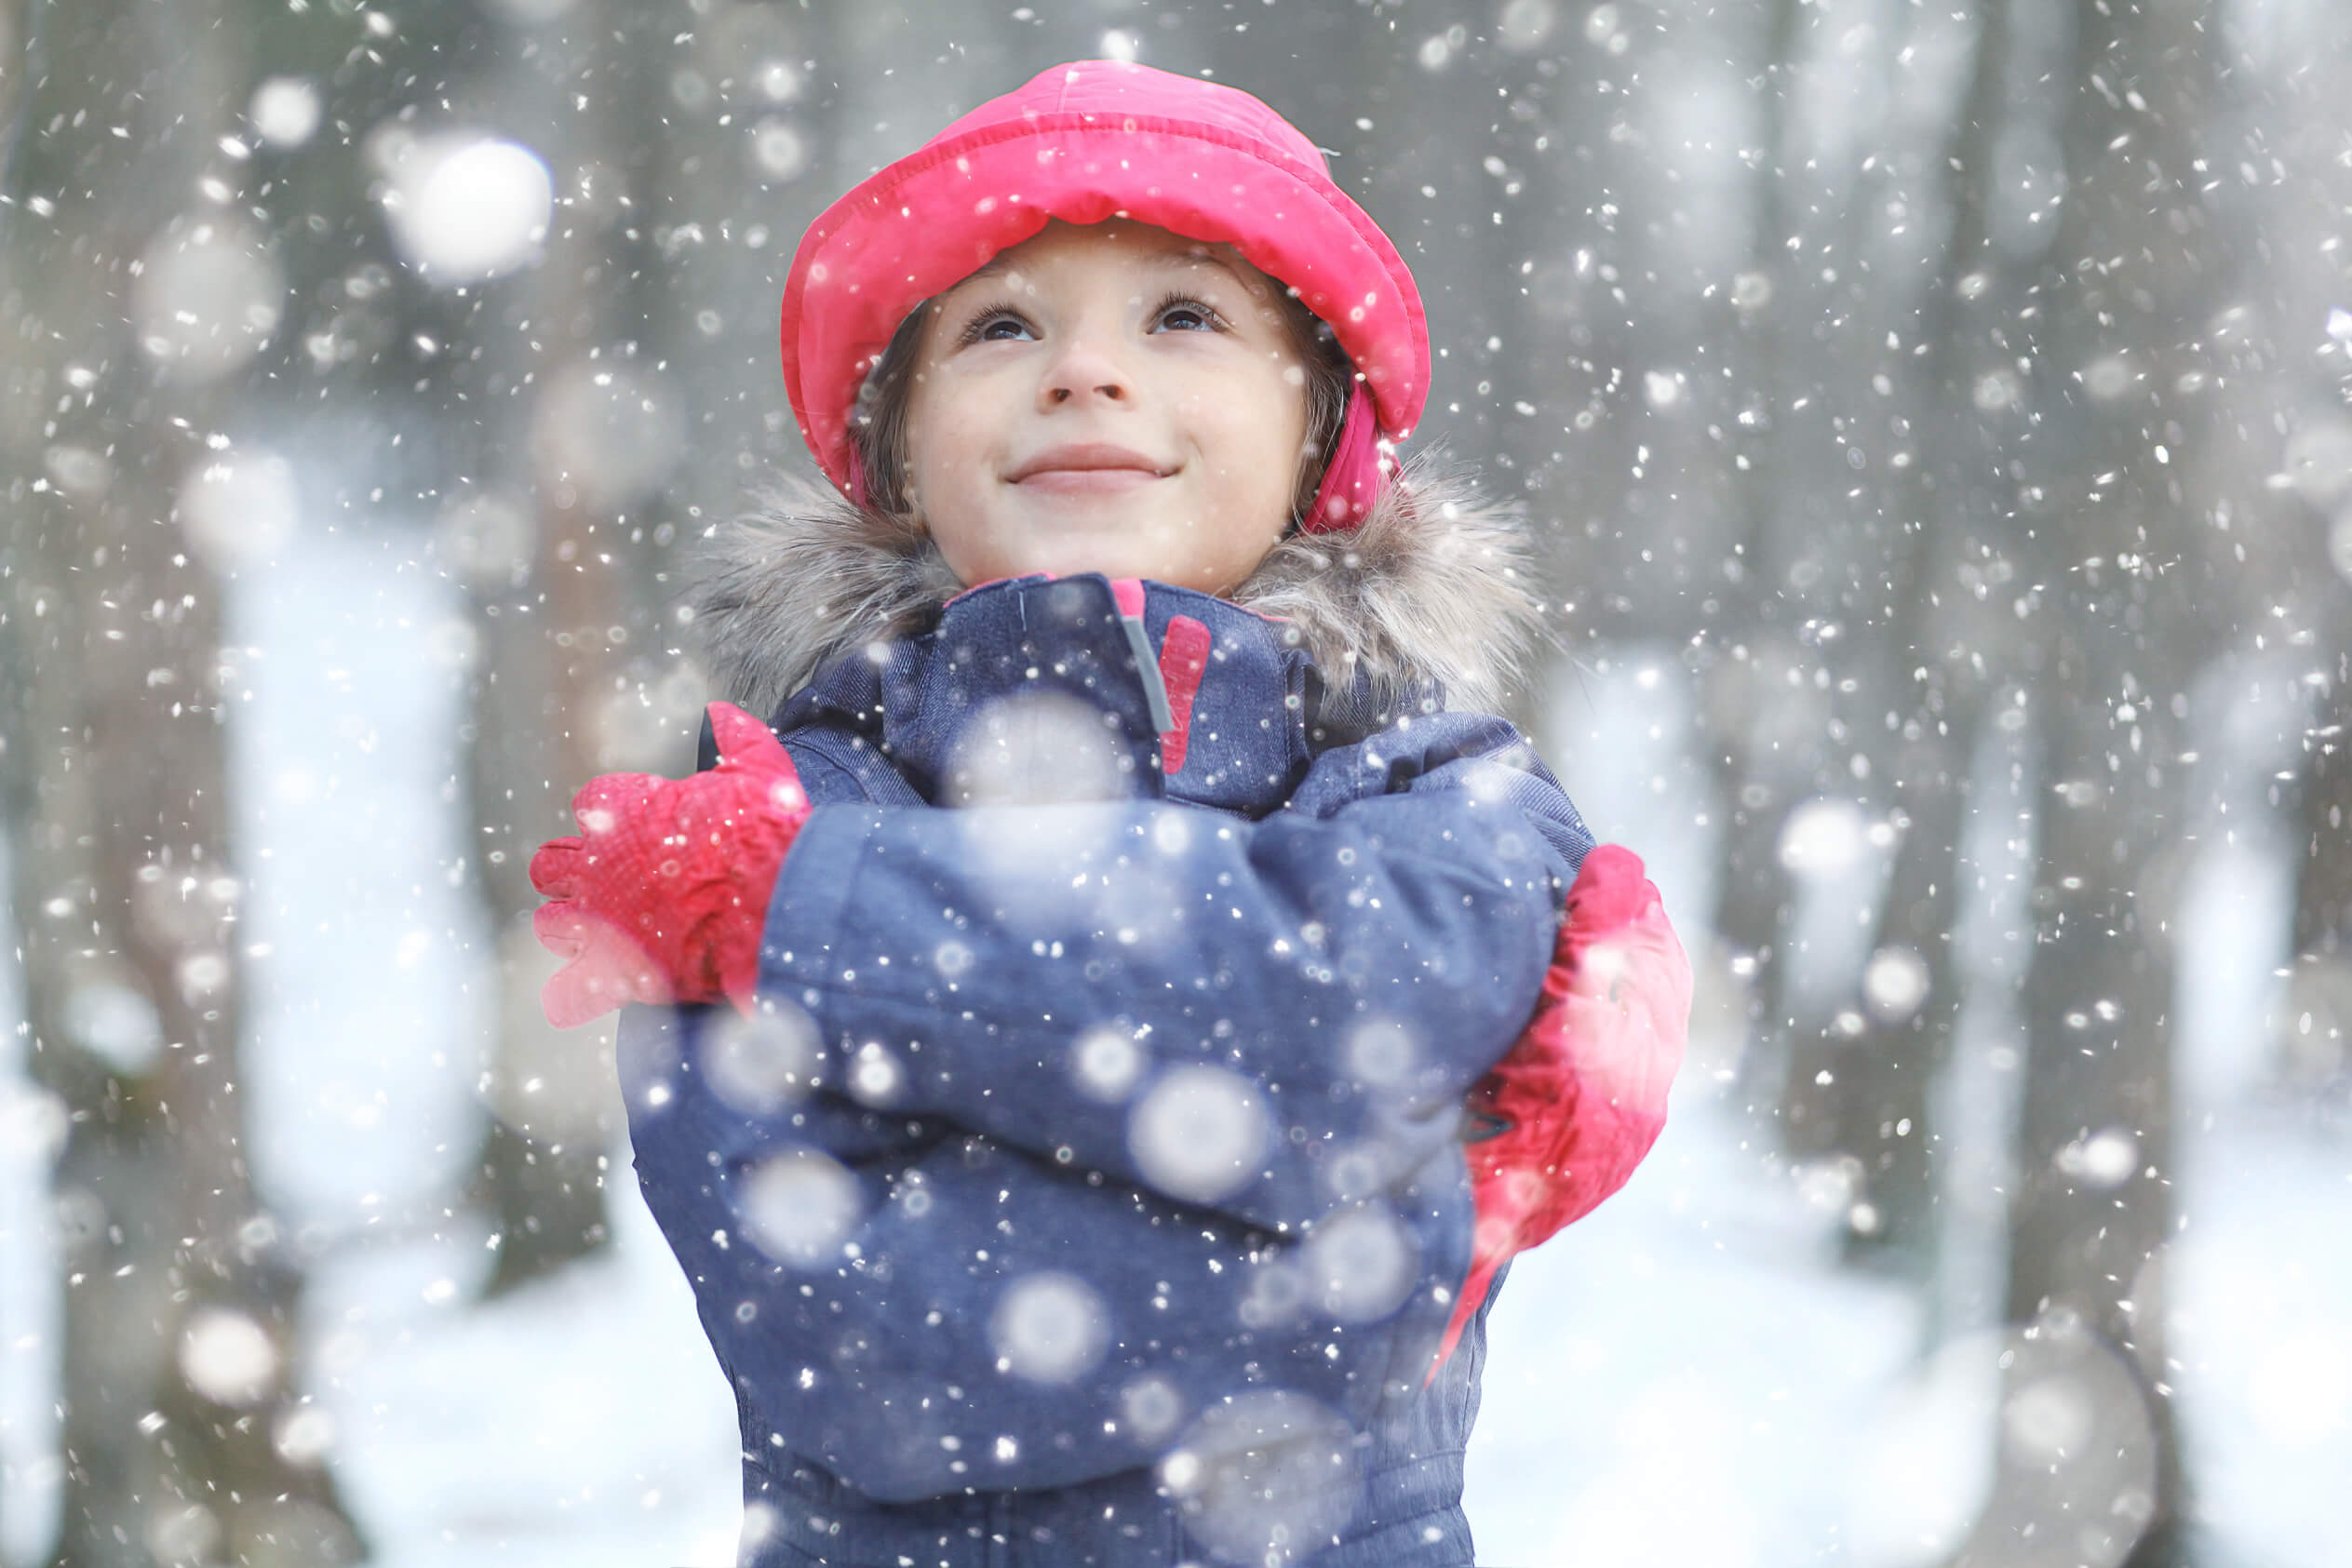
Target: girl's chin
1112	539
1118	563
1086	542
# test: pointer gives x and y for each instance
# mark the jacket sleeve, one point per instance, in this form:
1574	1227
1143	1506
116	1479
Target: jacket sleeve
924	1310
1263	1017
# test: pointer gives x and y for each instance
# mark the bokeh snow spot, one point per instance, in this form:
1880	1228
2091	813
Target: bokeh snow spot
208	295
1107	1062
760	1525
875	1074
1151	1407
239	508
761	1064
115	1021
799	1207
78	470
1198	1133
1049	1328
465	208
2047	1419
1170	832
303	1435
1034	748
1277	1291
1824	839
1525	24
779	153
284	111
2105	1159
1381	1053
1361	1262
1895	983
1265	1479
227	1357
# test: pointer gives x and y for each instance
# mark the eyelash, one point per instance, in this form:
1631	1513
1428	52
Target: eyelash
1175	299
1206	312
984	319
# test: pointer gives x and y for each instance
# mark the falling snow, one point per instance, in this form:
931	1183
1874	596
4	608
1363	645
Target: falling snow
367	411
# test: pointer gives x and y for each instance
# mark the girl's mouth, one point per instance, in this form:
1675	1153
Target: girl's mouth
1086	468
1088	481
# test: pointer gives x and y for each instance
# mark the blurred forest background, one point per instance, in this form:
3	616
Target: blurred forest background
1935	419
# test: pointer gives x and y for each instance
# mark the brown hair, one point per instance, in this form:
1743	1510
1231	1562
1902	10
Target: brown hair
878	424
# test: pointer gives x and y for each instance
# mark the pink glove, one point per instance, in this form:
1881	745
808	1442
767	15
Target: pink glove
663	896
1579	1098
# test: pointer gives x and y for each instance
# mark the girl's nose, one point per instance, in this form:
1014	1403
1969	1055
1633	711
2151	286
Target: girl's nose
1084	372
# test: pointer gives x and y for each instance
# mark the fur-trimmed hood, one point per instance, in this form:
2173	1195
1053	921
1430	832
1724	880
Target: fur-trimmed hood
1436	585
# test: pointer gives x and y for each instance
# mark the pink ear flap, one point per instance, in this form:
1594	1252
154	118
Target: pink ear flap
1354	477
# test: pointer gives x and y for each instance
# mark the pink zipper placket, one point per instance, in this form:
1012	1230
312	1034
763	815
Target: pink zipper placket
1172	678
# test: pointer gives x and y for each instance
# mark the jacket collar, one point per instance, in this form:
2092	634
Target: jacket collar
1034	689
1433	592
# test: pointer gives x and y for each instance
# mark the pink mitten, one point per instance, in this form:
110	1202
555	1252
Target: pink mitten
1571	1109
663	895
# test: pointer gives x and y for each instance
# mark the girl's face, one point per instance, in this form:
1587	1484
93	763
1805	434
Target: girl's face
1112	399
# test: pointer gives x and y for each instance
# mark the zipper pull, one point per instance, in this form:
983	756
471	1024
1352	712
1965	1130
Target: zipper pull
1128	591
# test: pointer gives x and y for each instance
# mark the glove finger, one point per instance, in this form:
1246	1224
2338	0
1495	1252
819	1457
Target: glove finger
554	870
610	971
571	998
562	928
745	744
609	800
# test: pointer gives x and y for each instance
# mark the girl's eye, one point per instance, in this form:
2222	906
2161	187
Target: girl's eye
1183	315
996	326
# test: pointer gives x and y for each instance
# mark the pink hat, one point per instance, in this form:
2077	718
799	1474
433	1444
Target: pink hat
1086	142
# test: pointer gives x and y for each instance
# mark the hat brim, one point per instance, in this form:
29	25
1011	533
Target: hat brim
926	223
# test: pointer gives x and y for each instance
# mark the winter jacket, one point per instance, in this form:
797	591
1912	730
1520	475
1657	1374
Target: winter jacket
1107	1205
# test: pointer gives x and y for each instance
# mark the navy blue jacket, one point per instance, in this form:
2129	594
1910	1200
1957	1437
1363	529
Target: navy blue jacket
1089	1191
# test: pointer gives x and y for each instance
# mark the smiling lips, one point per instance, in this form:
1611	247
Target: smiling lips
1086	468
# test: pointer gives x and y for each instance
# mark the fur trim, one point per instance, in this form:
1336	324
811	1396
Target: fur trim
1436	585
806	575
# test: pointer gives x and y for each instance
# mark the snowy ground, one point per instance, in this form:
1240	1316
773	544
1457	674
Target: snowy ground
1682	1379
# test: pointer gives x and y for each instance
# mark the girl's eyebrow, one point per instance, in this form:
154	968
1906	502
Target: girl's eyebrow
1192	257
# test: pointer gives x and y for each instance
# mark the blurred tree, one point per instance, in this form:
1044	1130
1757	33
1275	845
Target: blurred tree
136	294
2106	362
2291	543
1757	702
1915	645
553	460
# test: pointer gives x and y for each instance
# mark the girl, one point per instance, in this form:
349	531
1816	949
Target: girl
1083	1175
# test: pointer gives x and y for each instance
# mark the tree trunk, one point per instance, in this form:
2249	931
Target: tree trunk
1768	714
1911	1000
2316	1045
1919	659
544	543
2088	1465
183	1426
